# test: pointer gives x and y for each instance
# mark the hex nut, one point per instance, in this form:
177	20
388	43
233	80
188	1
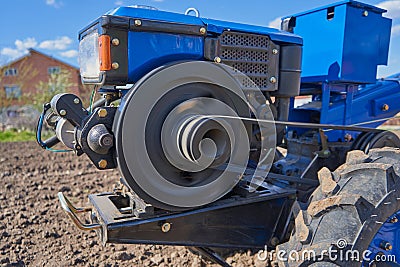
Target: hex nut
273	79
165	227
203	30
103	163
102	113
63	112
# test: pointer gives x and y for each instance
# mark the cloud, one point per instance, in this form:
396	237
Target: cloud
54	3
21	48
69	54
276	23
60	43
25	44
393	8
396	30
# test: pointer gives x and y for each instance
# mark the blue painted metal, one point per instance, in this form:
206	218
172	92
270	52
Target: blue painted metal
156	15
350	104
149	50
347	47
218	26
215	26
389	232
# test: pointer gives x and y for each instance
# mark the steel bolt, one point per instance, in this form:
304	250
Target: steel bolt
365	13
203	30
386	245
273	79
217	60
274	51
385	107
394	220
115	65
76	101
348	137
138	22
165	227
115	41
103	163
63	112
102	113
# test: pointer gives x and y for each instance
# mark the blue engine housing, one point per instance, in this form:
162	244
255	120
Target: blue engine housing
152	38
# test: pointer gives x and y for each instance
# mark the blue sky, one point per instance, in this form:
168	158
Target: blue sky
51	26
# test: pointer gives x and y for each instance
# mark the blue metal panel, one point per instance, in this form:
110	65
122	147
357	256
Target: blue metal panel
390	233
345	46
217	26
149	50
366	45
359	105
345	2
322	51
156	15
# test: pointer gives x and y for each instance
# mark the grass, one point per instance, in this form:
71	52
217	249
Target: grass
19	136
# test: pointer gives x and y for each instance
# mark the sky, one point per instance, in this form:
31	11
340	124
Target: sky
52	26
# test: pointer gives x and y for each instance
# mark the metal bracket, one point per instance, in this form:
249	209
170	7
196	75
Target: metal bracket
71	211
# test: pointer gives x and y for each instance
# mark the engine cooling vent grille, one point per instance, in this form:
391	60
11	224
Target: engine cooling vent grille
250	54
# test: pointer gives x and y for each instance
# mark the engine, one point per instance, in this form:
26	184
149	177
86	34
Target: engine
188	104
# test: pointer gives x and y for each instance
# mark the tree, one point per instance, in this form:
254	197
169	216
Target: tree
57	83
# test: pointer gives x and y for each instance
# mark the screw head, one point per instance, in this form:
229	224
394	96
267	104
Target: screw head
273	79
103	163
394	220
138	22
385	107
217	60
76	101
115	41
386	245
165	227
275	51
365	13
102	113
203	30
63	112
115	65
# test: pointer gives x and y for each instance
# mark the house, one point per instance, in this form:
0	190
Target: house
22	77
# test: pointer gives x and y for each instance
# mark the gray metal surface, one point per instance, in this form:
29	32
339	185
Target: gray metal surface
160	179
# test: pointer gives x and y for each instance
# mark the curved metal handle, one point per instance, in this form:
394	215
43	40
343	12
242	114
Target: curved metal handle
71	210
194	10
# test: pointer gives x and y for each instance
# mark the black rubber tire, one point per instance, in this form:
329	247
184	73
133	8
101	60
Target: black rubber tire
351	203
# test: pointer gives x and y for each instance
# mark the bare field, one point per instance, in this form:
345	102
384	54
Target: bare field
34	231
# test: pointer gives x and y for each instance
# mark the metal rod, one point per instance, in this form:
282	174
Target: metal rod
71	212
299	124
309	166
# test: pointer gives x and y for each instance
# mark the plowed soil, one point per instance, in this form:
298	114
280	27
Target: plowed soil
34	231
